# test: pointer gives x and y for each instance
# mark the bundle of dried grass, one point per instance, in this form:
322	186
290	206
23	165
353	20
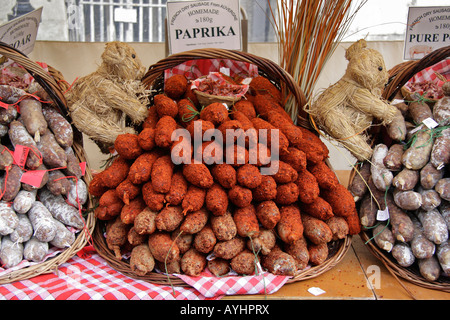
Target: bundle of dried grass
346	109
102	103
308	33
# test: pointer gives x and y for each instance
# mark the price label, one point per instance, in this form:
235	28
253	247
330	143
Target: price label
430	123
33	178
383	215
21	32
316	291
20	155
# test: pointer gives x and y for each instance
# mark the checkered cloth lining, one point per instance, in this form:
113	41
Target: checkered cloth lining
90	278
210	286
428	74
194	69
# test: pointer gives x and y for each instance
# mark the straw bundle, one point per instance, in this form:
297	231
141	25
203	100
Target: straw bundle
102	102
347	109
308	33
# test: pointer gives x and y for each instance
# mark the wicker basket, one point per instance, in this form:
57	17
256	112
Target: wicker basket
54	85
154	79
399	75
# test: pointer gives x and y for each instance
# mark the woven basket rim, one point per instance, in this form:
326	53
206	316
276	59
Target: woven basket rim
206	98
51	83
151	77
207	95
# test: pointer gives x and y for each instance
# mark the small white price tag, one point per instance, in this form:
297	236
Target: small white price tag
316	291
430	123
383	215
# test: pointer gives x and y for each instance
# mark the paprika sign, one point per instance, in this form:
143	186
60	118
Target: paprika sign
203	24
21	32
428	29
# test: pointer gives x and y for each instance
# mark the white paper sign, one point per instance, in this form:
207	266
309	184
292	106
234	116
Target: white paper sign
383	215
21	32
203	24
428	29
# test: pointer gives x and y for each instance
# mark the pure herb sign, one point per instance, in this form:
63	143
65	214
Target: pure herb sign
428	29
203	24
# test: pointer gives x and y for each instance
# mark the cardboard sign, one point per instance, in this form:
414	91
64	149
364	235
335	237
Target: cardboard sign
22	31
203	24
428	29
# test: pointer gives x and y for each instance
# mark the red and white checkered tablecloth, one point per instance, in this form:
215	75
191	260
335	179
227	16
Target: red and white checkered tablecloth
91	278
210	286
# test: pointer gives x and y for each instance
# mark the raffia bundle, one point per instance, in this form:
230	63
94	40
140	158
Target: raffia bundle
347	109
102	103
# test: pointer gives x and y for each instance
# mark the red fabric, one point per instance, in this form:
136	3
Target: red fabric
429	74
211	286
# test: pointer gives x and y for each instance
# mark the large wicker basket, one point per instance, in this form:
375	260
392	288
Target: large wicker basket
399	75
154	79
54	85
